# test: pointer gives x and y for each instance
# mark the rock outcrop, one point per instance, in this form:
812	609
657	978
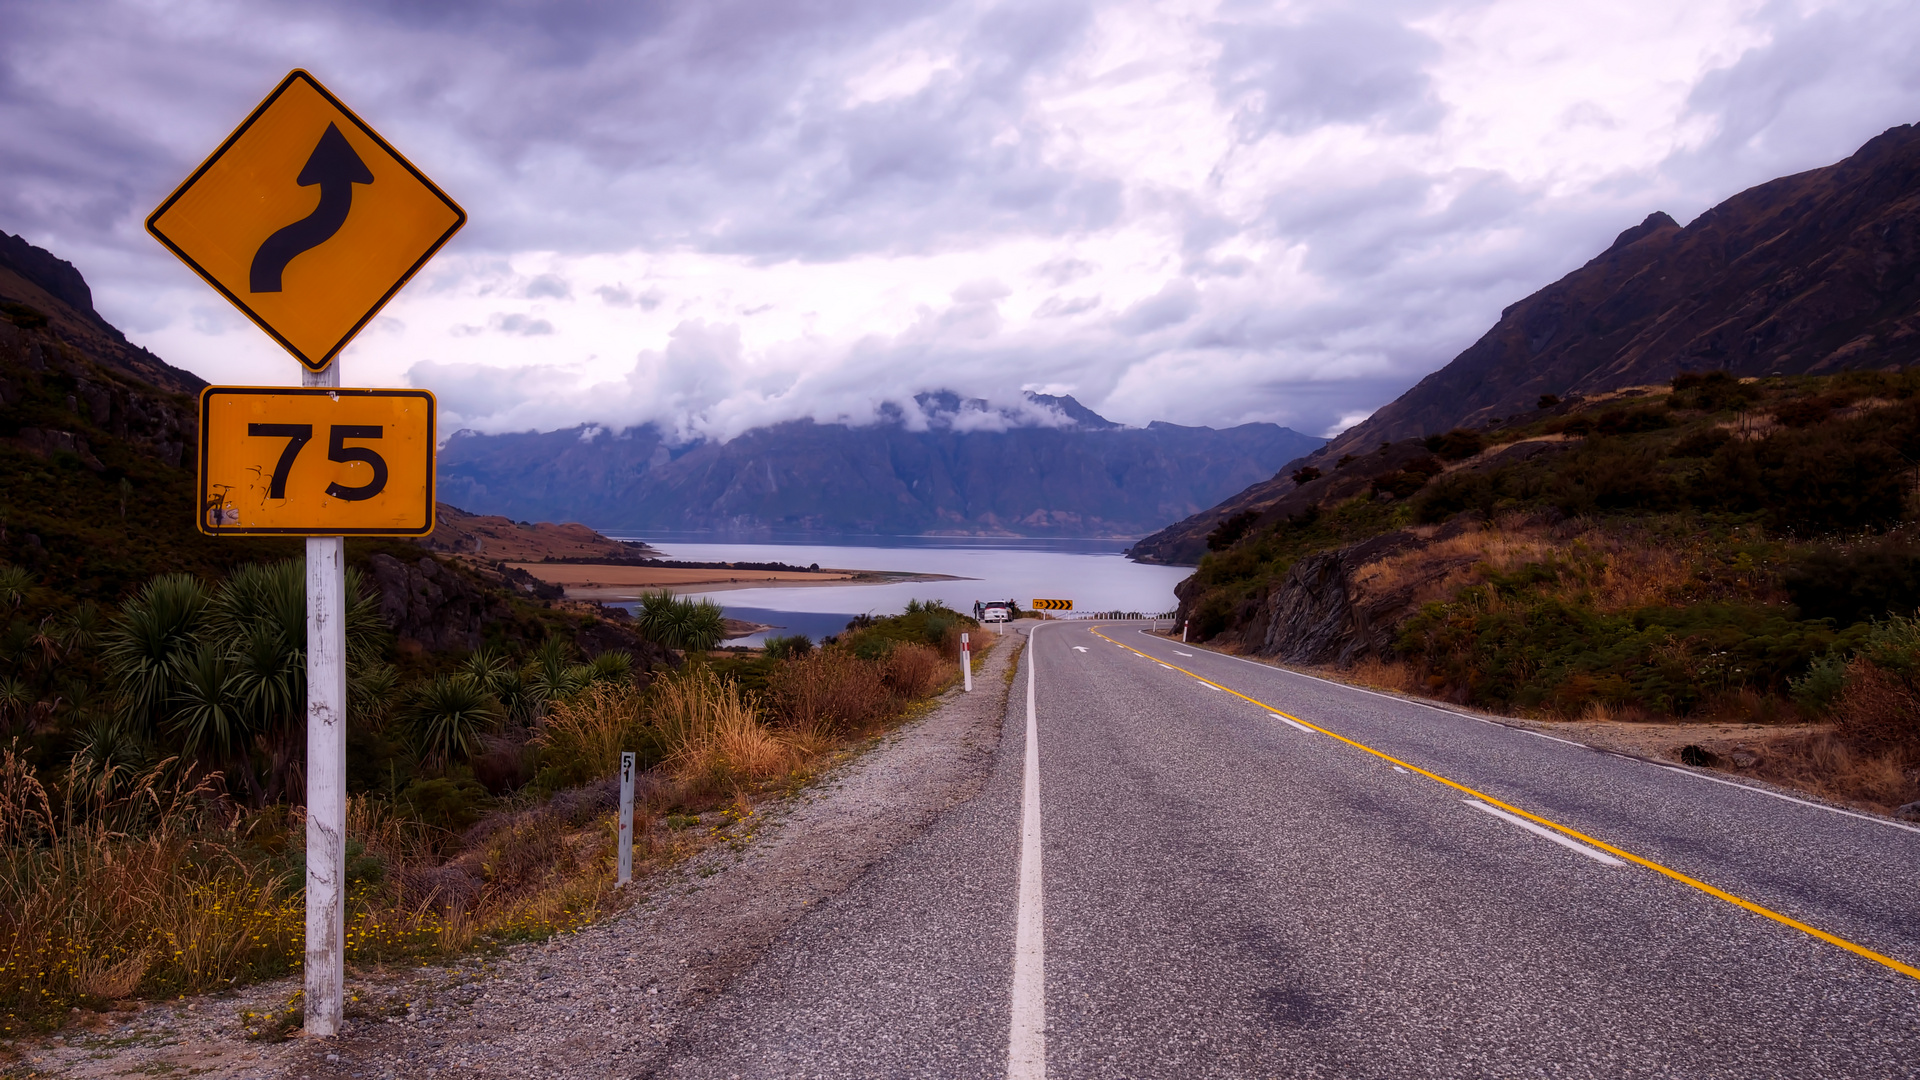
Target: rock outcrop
433	606
1327	611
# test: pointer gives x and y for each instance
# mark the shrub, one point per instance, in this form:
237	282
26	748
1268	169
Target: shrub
831	690
1803	412
1306	474
1456	445
1710	391
1454	493
1610	474
1855	585
1631	421
1829	479
1399	484
447	803
1701	443
1547	401
915	671
1228	532
1877	711
790	647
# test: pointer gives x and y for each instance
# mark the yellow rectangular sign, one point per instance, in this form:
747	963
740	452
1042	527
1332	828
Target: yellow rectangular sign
307	220
1053	605
316	461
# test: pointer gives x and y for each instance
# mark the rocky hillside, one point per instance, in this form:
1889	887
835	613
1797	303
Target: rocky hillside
97	451
1711	549
1085	477
1811	273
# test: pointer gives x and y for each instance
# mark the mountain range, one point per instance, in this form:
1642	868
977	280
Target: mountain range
1807	274
1076	475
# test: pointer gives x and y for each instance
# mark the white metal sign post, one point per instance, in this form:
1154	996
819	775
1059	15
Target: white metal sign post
966	662
309	222
626	818
326	967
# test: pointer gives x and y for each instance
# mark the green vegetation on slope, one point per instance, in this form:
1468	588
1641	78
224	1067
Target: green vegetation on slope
1701	550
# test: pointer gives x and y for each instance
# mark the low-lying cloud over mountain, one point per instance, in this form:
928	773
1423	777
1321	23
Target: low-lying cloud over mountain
1047	466
719	215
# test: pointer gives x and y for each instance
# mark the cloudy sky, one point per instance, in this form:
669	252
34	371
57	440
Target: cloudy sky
723	213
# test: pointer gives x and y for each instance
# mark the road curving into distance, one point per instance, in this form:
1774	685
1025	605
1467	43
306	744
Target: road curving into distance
1244	871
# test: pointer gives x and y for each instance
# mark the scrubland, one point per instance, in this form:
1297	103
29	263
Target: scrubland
148	875
1711	552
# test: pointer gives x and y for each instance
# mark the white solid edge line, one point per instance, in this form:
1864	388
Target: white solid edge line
1545	833
1293	723
1869	818
1027	1034
1777	795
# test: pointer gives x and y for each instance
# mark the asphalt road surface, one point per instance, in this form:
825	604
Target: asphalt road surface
1216	868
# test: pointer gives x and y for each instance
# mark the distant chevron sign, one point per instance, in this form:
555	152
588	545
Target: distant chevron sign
1053	605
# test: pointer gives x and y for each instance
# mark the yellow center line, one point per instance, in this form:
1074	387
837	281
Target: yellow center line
1721	894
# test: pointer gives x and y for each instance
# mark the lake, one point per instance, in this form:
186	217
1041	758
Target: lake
1091	573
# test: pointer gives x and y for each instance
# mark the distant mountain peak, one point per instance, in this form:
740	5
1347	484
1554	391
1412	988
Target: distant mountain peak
1073	410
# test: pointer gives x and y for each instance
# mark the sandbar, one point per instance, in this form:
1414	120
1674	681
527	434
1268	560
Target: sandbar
595	581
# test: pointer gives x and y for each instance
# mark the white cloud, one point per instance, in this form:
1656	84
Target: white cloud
738	212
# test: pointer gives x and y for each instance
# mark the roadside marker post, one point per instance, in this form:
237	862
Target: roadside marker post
626	818
966	662
309	222
1184	623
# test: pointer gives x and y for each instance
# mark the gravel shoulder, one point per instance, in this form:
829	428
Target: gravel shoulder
605	1001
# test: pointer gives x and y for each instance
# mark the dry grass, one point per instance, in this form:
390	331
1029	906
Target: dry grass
155	883
1606	569
916	671
713	735
586	734
1878	713
164	888
1825	765
830	690
1395	675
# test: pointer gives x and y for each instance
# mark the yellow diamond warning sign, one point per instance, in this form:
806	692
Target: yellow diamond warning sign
307	220
311	460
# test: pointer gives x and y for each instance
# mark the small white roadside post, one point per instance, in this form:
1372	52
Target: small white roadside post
626	818
966	662
1183	630
326	769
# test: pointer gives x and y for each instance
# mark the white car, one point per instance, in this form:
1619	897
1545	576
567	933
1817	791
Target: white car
994	613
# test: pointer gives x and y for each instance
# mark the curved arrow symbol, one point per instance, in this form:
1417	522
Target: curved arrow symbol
336	168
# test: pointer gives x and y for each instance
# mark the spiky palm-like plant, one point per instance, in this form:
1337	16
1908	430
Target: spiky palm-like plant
206	718
680	624
450	713
144	647
15	583
16	700
614	666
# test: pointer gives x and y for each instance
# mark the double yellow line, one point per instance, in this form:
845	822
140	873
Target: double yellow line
1720	894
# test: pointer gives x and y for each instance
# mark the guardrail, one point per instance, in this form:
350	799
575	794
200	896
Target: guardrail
1120	615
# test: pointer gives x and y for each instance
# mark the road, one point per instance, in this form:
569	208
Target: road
1188	865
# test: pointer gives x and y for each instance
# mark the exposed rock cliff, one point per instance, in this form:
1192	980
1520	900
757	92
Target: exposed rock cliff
1327	611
